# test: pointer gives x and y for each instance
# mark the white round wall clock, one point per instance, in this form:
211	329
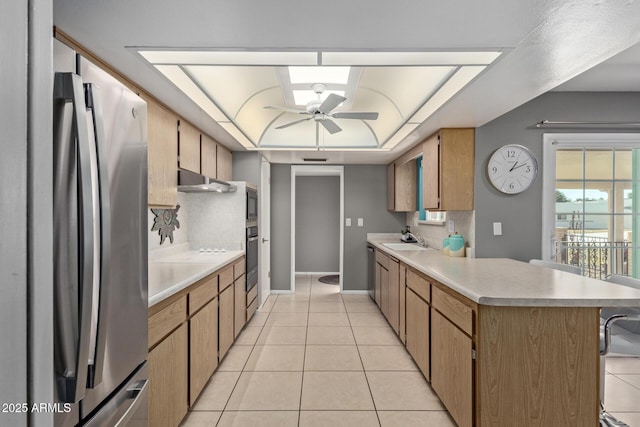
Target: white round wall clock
512	169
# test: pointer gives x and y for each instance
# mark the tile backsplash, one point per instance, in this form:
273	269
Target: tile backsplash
434	234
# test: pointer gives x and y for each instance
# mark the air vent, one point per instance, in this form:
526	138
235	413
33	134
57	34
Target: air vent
309	159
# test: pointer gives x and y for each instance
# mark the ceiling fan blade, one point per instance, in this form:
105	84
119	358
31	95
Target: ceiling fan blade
293	123
331	126
331	102
288	110
354	115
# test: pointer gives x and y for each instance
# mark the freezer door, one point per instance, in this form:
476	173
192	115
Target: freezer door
121	346
128	407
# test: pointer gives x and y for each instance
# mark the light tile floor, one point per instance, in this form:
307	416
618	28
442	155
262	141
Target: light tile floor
319	358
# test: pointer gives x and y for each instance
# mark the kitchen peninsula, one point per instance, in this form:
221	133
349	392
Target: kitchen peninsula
501	341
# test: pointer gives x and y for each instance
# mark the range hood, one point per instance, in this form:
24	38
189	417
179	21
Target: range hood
191	182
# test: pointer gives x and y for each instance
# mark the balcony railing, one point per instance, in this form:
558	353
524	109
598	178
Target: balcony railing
597	256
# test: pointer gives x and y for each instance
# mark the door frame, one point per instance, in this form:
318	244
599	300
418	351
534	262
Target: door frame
554	141
315	170
264	227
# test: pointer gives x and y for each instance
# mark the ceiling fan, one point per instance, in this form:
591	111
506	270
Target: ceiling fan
320	111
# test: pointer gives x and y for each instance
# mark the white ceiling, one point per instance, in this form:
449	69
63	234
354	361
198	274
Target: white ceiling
545	44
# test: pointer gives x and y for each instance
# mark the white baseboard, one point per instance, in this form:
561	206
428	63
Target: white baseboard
354	292
281	291
323	273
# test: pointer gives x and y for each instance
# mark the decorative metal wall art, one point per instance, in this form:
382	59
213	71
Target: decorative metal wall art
165	222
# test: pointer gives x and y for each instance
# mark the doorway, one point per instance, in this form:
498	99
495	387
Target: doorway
591	207
320	231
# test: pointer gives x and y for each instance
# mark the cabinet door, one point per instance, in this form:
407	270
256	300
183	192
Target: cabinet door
240	312
457	158
168	375
189	147
431	173
452	368
405	187
225	161
203	348
226	320
402	332
384	291
417	324
378	289
162	155
391	187
209	157
393	310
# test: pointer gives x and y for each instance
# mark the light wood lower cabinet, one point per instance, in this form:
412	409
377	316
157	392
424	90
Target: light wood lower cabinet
417	325
452	368
388	285
203	348
240	312
168	374
226	318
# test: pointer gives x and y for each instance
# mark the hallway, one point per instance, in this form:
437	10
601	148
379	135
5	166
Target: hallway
318	358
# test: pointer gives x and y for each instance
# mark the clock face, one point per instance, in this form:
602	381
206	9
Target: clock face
512	169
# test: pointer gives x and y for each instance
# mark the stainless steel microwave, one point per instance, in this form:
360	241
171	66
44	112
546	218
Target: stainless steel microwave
252	204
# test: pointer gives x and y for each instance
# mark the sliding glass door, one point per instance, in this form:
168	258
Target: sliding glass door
591	211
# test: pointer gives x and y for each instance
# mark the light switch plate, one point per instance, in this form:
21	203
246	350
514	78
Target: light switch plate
451	226
497	229
360	222
348	222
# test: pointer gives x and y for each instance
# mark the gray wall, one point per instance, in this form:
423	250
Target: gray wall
317	224
365	193
280	227
246	166
521	215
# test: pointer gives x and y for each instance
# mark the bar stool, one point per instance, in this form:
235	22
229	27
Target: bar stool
622	338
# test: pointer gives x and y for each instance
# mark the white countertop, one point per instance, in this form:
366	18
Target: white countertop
506	282
171	274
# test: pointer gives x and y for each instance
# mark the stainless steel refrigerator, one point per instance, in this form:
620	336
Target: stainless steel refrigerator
100	247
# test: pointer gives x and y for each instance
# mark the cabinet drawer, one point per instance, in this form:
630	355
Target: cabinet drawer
419	285
238	269
382	259
167	319
203	294
252	294
455	310
226	278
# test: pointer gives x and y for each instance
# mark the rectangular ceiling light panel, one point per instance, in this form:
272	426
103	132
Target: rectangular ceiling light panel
408	58
192	57
459	80
186	85
327	75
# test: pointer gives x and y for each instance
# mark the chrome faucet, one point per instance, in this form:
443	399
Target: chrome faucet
419	238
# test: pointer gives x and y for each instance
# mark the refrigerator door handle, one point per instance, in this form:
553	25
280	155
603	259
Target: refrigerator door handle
100	299
120	410
74	372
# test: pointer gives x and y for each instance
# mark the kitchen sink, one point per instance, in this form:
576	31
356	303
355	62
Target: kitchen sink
405	247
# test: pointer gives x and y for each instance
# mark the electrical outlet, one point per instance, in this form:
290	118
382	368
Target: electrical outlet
451	226
348	222
360	222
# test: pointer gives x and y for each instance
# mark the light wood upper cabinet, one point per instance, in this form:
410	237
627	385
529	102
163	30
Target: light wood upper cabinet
401	186
189	147
209	157
448	165
162	134
224	164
